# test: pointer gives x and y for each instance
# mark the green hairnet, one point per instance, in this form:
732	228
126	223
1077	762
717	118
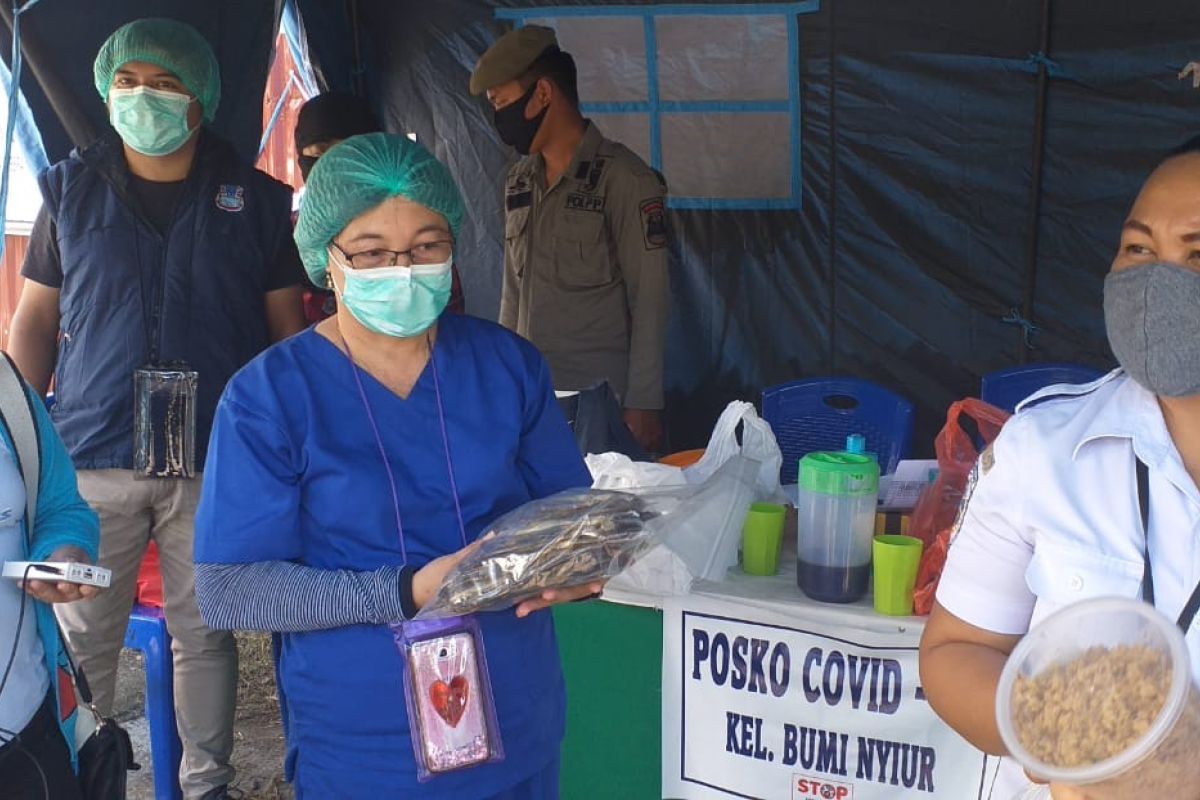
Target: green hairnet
172	45
358	174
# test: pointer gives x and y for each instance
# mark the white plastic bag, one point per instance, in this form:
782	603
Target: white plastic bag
705	534
700	538
702	543
758	443
660	573
618	471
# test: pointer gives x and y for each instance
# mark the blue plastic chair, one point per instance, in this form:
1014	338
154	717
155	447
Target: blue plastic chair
1007	387
819	413
147	632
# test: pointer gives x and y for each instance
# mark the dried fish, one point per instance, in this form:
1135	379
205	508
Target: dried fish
564	540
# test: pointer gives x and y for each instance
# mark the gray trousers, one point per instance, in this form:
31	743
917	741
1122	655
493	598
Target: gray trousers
132	512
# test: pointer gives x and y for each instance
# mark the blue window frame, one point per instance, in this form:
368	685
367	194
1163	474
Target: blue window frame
673	117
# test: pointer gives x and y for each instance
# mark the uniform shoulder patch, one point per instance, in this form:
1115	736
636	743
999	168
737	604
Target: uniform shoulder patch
987	460
968	493
654	223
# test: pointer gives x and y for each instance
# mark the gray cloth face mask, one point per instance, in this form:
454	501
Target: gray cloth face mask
1152	315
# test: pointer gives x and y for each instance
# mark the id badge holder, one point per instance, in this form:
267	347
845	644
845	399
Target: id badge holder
451	710
164	422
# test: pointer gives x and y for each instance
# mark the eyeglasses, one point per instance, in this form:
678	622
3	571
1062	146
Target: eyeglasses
418	255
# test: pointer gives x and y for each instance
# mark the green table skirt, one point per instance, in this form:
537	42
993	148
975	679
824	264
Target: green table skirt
612	659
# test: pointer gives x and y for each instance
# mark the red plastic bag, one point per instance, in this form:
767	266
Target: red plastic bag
149	581
936	511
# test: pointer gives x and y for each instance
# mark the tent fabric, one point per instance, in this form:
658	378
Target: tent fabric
62	37
26	133
907	251
904	250
293	31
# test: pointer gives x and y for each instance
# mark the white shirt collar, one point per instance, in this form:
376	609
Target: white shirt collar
1132	412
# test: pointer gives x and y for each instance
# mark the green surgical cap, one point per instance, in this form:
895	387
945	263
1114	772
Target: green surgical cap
358	174
172	45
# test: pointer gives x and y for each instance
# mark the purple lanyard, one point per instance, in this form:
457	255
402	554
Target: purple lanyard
387	465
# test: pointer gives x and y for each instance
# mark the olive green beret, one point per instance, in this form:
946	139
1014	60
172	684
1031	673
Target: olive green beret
510	57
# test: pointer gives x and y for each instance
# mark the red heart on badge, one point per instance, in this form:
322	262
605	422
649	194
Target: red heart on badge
450	699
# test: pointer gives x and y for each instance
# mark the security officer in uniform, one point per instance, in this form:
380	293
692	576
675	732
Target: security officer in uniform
585	252
1089	490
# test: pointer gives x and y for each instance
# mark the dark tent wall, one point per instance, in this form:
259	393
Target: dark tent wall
60	39
933	159
910	247
908	244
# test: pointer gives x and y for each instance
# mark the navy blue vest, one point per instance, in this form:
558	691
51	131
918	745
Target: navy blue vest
131	294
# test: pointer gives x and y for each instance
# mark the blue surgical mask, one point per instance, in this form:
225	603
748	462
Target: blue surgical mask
151	121
395	301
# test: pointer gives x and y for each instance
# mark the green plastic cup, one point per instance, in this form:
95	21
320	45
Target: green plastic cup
762	539
895	560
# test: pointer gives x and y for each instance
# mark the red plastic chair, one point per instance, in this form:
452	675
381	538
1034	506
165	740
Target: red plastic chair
149	579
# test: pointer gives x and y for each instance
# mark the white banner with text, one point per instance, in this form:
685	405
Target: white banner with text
762	702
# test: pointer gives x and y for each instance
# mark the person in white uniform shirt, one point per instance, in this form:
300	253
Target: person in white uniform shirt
1053	513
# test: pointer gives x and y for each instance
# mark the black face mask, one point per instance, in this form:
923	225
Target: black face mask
515	130
306	165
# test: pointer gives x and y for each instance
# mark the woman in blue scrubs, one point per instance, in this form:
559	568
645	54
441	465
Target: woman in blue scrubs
351	465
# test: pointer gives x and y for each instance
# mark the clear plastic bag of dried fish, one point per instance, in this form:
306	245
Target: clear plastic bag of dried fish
568	539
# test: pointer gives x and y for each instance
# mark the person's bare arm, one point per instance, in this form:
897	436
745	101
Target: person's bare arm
960	670
285	312
33	338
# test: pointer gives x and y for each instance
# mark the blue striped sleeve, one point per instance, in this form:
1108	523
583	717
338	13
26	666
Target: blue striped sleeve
283	597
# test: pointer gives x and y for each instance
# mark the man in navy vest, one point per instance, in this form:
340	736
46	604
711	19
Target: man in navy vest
157	248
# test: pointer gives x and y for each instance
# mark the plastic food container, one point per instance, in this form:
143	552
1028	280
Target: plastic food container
1080	654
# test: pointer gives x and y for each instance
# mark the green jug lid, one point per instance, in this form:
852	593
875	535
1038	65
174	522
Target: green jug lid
839	473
